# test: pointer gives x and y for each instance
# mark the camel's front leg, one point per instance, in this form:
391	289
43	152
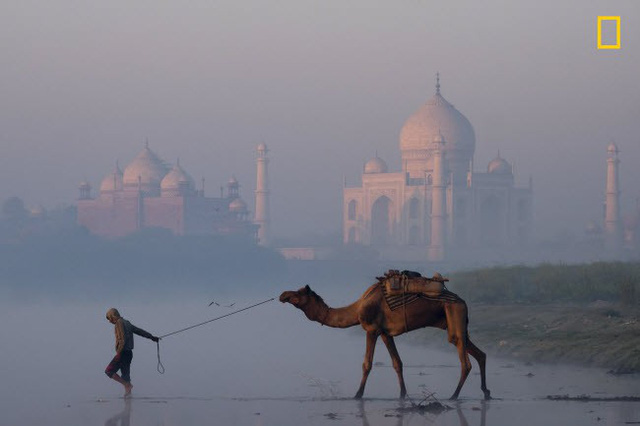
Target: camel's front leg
372	337
397	362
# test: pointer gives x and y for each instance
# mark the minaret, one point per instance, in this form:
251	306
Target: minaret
435	251
262	196
612	229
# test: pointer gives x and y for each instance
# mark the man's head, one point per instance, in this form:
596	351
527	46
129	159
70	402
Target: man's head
113	315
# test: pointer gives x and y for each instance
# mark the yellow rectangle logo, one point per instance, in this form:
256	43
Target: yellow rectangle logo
617	21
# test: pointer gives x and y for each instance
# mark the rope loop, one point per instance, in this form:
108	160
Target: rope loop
160	367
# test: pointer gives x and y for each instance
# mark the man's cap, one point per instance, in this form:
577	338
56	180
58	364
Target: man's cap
113	314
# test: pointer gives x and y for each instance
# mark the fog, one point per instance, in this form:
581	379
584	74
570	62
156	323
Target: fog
325	85
268	365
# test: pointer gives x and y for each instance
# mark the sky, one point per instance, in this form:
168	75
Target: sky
325	84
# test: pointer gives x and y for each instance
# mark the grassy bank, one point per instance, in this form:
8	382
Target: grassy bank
583	314
547	283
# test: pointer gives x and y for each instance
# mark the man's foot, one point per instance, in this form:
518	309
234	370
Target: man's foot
127	390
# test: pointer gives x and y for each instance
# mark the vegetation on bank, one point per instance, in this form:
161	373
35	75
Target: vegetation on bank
548	283
583	314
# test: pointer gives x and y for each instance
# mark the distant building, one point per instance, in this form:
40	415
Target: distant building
620	231
438	201
151	194
612	222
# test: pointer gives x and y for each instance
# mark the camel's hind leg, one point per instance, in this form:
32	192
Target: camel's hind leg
372	337
457	330
397	362
480	356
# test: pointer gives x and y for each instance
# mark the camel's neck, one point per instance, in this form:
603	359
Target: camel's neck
344	317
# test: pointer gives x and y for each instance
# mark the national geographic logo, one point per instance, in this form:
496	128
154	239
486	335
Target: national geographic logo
609	21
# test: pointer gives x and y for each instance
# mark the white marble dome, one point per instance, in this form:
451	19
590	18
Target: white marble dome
375	165
435	117
499	166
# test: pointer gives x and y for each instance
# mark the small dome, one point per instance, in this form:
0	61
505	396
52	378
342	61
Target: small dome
237	206
148	166
177	179
375	165
113	181
612	148
499	166
84	185
232	181
262	147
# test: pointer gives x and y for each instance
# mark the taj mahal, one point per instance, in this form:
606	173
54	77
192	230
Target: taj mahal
438	202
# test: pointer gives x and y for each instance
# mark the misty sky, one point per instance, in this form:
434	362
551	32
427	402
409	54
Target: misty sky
325	84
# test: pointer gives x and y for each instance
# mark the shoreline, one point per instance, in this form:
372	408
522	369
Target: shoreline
600	335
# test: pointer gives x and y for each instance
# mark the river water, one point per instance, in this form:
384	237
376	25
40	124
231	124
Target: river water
266	366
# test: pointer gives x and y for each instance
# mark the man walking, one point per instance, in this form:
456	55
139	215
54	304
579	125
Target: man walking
124	349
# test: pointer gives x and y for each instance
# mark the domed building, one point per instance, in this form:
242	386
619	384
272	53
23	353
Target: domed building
437	201
152	194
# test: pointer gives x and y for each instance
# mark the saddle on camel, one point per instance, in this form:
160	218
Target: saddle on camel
398	283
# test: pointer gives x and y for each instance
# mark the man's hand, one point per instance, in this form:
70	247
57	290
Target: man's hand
155	338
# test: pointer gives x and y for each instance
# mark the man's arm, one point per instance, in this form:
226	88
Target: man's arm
143	333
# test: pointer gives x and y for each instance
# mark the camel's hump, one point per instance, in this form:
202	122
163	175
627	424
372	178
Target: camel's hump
371	290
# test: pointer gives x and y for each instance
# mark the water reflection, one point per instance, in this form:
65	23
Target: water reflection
123	418
406	411
483	414
365	419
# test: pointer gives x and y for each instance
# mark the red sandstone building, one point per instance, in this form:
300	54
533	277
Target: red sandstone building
150	194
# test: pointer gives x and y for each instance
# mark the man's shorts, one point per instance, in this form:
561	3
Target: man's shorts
123	364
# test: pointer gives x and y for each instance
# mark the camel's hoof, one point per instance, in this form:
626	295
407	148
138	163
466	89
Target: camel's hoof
358	396
487	396
453	397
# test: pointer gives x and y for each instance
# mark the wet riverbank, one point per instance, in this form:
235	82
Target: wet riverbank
599	335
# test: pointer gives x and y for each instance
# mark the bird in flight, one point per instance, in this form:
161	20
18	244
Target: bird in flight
217	304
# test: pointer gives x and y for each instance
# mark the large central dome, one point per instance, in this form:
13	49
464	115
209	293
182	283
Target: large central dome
437	117
434	117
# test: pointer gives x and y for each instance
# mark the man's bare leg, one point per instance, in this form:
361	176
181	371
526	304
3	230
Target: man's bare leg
127	385
127	389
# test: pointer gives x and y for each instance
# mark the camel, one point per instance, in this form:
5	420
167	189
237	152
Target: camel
374	315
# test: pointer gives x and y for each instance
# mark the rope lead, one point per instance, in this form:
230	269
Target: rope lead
160	367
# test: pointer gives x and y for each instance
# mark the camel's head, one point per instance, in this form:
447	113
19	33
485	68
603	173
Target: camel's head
298	298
